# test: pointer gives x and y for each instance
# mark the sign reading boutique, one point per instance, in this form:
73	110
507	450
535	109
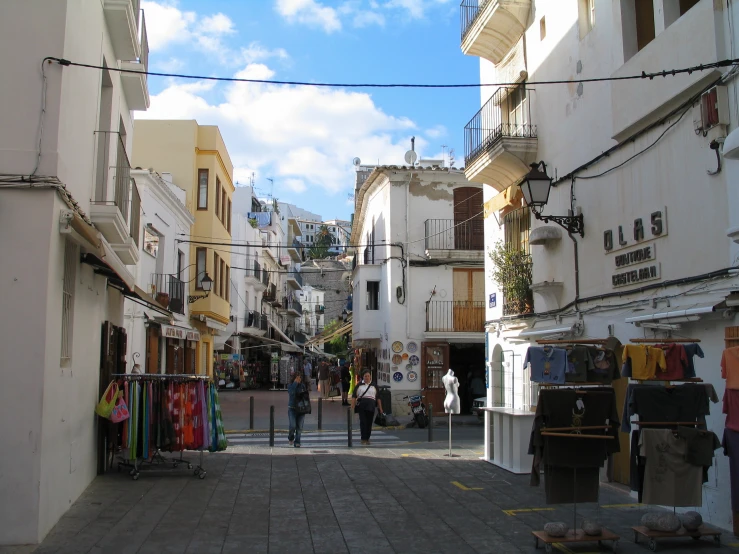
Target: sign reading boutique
644	258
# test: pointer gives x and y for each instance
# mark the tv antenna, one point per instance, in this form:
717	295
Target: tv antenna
443	154
357	162
411	156
272	187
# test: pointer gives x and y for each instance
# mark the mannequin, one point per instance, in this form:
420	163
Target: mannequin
451	400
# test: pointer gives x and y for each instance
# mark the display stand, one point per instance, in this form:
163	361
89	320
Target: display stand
652	536
575	536
157	461
450	455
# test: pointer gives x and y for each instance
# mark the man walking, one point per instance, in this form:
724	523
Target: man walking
323	379
307	371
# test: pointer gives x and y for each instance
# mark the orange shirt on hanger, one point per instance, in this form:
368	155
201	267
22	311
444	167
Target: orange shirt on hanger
730	367
645	360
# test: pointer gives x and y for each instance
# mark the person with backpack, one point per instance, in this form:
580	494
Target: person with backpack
364	402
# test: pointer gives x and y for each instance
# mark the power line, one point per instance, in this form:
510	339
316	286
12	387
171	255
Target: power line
643	75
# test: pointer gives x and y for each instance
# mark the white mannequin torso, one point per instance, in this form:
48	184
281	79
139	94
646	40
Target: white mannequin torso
451	400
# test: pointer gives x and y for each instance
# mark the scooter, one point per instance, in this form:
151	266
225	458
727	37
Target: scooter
419	410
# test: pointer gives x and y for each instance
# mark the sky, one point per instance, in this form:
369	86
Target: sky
305	138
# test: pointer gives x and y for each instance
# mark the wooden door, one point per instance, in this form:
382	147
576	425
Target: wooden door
152	350
469	300
468	219
434	365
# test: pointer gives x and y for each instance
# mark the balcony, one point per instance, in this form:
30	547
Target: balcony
255	323
490	28
254	276
116	207
169	291
320	309
121	17
294	249
133	76
295	280
269	250
518	299
299	338
292	307
265	278
455	316
270	295
499	141
447	239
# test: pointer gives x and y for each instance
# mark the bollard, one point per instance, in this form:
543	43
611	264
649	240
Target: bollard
431	423
320	413
251	413
271	425
349	426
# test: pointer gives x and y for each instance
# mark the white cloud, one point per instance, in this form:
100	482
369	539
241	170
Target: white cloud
217	24
416	9
365	19
436	132
303	137
255	52
309	12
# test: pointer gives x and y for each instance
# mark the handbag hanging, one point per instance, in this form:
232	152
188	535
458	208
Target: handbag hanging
120	411
108	401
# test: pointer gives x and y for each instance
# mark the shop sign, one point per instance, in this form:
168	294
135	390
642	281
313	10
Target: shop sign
225	356
652	227
637	275
174	332
193	335
492	300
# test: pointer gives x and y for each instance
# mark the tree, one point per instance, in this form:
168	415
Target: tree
324	239
338	344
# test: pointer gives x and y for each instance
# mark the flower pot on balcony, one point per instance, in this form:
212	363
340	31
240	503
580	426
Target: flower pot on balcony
163	299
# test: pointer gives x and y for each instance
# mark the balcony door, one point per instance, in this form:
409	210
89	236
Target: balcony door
469	300
468	219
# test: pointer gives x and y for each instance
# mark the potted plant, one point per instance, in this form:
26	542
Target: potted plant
512	270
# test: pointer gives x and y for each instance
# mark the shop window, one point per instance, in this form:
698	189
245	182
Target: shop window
151	242
200	263
586	16
68	282
373	295
202	189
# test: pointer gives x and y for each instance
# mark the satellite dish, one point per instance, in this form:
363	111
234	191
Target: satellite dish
411	157
356	161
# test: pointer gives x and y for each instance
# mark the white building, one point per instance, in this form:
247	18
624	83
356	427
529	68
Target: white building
311	323
162	341
341	231
66	240
638	158
418	281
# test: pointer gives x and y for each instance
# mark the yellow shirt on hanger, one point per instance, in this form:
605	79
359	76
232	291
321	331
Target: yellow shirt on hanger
645	360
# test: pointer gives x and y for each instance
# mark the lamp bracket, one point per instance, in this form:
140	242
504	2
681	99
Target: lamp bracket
195	298
571	223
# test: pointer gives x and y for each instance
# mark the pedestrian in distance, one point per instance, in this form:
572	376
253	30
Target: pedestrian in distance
323	379
307	370
295	391
365	402
345	384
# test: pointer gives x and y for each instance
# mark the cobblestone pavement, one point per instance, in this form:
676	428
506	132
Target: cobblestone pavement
406	499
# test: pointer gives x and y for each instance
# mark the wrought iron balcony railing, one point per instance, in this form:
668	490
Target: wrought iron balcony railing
169	291
254	319
456	316
506	114
292	304
265	277
445	234
469	11
254	272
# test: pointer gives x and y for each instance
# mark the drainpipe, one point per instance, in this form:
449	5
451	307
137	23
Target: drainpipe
577	271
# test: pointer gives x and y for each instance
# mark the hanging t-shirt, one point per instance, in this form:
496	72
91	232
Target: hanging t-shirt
605	366
579	363
677	361
731	409
645	360
730	367
547	364
669	480
691	350
685	403
701	445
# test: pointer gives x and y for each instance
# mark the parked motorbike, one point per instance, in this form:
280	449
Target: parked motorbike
419	410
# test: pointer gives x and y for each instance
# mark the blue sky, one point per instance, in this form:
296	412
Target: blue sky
306	137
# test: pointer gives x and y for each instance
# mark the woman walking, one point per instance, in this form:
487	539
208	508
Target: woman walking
365	400
294	392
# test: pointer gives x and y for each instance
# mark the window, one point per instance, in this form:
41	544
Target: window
637	25
68	283
542	28
224	281
218	197
180	263
228	215
200	263
202	189
586	16
685	5
228	283
216	280
373	295
151	242
223	204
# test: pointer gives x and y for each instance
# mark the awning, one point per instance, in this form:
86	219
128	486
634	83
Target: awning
676	315
284	336
318	339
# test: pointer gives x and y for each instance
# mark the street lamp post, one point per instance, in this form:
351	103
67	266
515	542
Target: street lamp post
535	187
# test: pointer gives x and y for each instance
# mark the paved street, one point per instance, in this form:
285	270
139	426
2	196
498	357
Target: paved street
401	494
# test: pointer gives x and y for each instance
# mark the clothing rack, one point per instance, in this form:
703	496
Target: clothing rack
157	460
573	341
661	341
666	423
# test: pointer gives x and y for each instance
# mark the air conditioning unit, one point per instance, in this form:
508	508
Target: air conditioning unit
713	109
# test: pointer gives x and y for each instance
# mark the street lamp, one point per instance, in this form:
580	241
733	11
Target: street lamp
535	188
207	284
